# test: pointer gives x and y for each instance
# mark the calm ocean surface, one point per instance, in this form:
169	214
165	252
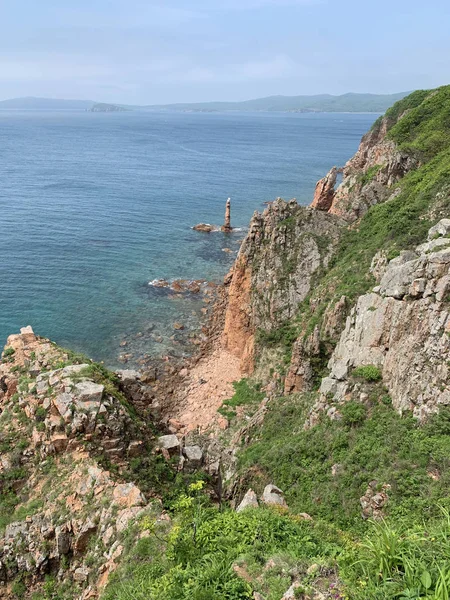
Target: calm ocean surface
94	206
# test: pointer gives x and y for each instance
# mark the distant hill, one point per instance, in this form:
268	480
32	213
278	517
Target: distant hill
321	103
103	107
31	103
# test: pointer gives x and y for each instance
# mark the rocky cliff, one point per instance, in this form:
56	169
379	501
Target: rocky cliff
285	247
338	315
68	433
402	328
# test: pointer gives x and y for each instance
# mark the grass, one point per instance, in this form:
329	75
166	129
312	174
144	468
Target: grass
369	443
245	393
196	559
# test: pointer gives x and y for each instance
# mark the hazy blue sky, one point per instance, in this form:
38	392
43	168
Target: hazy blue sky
149	51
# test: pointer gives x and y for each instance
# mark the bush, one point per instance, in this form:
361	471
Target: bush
353	413
369	373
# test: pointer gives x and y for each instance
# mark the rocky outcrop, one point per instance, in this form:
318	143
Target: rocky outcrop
58	419
204	227
226	227
401	328
324	192
367	177
285	247
374	501
309	351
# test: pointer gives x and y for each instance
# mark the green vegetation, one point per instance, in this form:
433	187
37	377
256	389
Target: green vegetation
207	550
369	174
368	373
373	443
212	552
425	129
244	394
398	224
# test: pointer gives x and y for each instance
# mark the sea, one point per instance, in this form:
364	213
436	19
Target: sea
94	207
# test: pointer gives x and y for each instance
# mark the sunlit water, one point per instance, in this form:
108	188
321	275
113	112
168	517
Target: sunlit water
94	206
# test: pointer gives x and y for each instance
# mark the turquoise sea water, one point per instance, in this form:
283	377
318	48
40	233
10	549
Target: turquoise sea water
94	206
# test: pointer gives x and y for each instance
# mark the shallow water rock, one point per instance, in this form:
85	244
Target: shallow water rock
205	227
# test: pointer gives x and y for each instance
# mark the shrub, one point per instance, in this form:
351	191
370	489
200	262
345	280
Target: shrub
40	414
369	373
353	413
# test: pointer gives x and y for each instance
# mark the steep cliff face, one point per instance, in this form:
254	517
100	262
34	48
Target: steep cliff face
288	248
369	175
285	247
403	329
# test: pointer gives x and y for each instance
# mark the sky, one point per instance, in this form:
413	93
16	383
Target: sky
165	51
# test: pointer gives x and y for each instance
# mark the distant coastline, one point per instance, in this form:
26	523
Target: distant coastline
324	103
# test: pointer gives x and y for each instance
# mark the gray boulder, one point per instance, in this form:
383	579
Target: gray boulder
440	229
250	500
273	495
170	443
194	455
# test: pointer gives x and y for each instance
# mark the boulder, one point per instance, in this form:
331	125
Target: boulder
273	496
135	448
205	227
82	539
170	443
62	537
440	229
63	404
16	529
88	391
128	376
128	495
194	455
81	574
59	442
250	500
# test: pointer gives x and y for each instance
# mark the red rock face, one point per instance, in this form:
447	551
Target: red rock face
324	194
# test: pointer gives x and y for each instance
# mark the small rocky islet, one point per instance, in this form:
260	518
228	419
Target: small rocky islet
306	436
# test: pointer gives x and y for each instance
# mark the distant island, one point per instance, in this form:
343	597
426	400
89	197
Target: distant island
371	103
103	107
